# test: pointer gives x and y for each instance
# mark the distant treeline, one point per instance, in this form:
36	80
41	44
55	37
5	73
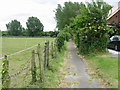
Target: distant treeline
34	28
49	33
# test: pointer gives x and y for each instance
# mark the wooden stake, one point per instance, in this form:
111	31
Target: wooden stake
45	57
40	62
33	67
47	54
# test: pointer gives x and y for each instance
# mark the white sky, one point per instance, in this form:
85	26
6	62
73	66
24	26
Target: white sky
43	9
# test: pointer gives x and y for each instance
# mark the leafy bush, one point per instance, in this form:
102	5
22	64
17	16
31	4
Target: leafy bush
61	38
90	27
93	46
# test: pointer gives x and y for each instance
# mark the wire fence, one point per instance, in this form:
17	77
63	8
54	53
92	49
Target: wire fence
18	72
20	51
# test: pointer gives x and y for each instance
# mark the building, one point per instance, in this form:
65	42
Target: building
114	16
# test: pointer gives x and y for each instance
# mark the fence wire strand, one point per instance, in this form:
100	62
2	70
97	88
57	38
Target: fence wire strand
19	71
24	69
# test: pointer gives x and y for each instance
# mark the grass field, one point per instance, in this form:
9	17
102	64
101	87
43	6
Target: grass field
12	45
104	67
20	62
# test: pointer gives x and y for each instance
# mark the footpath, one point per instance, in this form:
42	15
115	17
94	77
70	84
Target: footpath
77	76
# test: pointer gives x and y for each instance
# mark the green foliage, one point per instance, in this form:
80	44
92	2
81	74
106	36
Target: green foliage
61	38
24	32
4	33
64	14
50	33
60	41
114	29
34	26
14	28
5	73
90	29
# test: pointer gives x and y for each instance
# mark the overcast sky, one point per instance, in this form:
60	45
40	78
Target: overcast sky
43	9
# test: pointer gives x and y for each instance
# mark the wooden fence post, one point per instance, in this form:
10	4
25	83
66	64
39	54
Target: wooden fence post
52	50
40	62
55	49
33	67
5	73
47	54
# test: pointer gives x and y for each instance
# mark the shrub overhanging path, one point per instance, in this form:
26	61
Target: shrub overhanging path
79	77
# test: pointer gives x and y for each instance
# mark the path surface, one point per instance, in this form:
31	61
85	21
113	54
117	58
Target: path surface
77	76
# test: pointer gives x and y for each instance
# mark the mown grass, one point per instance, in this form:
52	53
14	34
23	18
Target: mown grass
104	67
12	44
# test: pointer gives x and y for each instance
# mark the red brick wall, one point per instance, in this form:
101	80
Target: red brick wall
119	16
115	18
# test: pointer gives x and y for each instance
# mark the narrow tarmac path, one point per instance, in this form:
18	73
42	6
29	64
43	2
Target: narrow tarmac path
77	76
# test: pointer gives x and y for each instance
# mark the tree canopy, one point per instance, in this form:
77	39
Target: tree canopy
64	14
14	28
34	26
86	22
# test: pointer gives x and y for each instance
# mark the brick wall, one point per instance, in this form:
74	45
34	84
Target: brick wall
115	18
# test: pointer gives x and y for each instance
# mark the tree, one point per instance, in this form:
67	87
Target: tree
90	27
14	28
64	14
34	26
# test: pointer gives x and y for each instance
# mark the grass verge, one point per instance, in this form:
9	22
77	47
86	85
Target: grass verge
52	75
104	67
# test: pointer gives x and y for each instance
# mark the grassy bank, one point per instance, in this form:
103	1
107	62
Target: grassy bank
104	67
